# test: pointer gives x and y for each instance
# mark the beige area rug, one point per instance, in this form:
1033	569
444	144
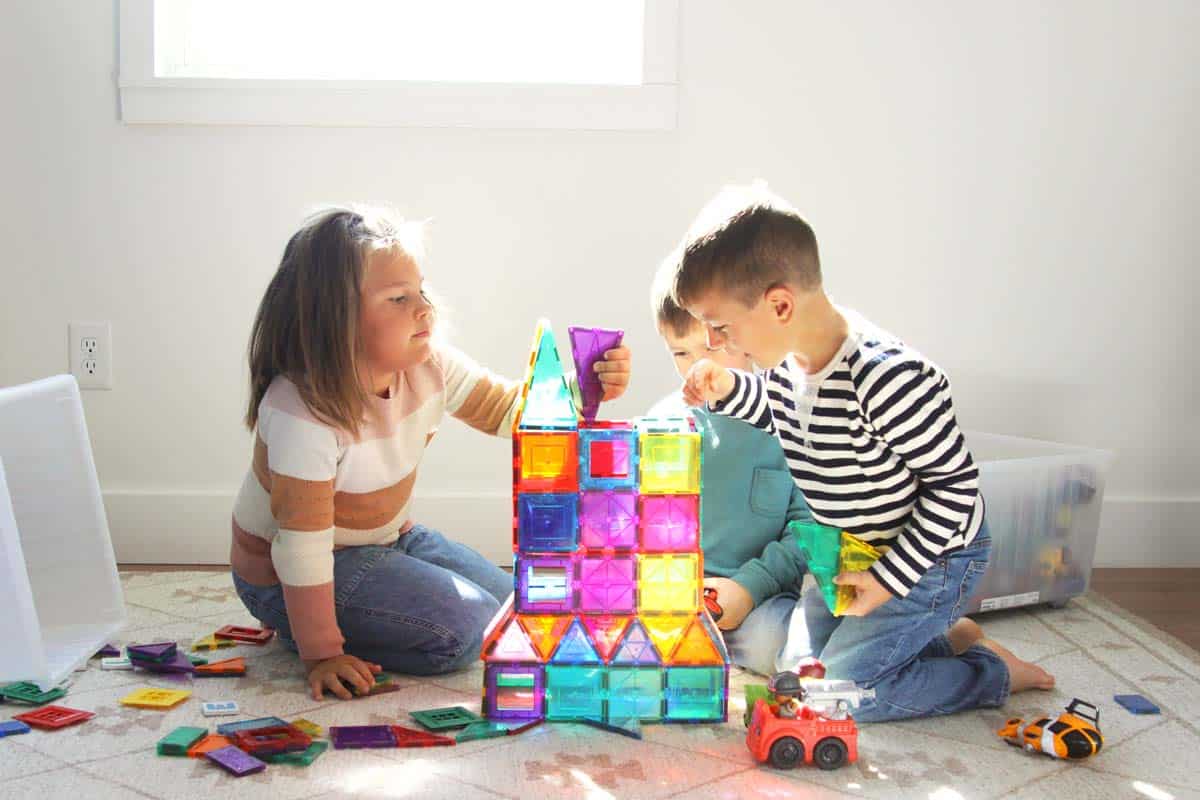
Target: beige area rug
1095	650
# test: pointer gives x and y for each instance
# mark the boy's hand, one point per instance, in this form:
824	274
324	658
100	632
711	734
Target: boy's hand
736	602
614	372
869	593
330	673
707	382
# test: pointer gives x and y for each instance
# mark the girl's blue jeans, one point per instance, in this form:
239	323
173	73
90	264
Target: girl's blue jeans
417	606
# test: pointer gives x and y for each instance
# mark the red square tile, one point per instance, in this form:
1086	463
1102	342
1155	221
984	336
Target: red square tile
52	717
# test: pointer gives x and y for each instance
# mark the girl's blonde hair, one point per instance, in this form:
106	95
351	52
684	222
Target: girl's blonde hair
306	328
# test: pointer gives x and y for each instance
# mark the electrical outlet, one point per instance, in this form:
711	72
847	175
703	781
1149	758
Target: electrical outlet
90	354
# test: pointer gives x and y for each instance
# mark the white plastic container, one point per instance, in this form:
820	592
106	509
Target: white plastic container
60	598
1043	510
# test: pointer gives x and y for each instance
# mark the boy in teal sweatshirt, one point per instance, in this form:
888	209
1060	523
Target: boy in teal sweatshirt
749	498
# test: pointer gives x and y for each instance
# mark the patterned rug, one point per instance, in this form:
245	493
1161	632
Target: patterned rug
1094	649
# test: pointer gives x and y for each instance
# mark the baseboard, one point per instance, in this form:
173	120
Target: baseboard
192	527
1138	531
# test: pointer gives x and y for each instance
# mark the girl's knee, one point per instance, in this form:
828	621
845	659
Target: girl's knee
457	652
466	626
478	613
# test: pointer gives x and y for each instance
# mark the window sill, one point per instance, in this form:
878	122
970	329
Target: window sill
644	107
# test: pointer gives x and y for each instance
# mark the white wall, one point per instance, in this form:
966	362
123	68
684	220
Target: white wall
1012	187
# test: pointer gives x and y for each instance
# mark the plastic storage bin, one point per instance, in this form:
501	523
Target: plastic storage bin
1043	509
60	598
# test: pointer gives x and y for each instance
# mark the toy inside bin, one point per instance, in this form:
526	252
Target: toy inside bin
1043	503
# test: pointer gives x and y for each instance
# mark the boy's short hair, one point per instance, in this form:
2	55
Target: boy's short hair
743	242
669	315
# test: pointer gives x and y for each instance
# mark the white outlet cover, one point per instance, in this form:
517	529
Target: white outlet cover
91	370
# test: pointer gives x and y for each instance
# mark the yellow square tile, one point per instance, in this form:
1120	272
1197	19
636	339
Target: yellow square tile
156	698
669	463
668	583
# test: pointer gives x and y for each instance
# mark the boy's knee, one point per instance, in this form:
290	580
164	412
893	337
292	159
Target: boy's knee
760	663
853	666
757	647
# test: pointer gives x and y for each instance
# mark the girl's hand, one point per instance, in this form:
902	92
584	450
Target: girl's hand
614	372
707	382
330	673
869	593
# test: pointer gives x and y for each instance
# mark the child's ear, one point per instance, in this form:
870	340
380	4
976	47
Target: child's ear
782	303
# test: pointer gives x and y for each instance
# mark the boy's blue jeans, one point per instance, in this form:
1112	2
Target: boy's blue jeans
756	643
900	649
417	606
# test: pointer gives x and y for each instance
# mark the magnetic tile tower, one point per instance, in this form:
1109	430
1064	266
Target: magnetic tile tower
606	621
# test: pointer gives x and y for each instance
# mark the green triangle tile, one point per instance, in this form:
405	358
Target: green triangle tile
547	400
484	729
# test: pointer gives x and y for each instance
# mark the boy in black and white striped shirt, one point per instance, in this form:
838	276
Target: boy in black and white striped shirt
868	428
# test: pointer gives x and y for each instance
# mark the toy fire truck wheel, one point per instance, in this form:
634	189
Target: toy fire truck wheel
786	753
830	753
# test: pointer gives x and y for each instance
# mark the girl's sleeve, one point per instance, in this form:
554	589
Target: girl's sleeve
302	457
478	397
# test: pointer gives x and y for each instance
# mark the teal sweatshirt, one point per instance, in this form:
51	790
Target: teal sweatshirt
749	498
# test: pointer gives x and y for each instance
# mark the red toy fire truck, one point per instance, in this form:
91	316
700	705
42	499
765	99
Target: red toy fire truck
809	722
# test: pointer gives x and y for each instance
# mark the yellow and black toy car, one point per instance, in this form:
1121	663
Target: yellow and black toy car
1075	734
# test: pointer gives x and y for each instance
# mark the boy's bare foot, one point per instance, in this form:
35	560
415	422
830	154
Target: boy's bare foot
1022	675
963	634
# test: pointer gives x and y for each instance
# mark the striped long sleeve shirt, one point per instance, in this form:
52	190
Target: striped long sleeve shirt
312	487
873	444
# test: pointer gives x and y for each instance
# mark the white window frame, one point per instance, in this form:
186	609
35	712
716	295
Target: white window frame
146	99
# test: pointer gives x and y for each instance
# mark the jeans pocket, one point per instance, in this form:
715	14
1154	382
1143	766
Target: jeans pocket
934	584
972	575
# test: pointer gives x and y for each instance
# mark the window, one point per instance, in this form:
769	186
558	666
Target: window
599	64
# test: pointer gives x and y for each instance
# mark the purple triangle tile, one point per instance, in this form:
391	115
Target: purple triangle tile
108	651
575	647
177	663
151	651
636	648
588	346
